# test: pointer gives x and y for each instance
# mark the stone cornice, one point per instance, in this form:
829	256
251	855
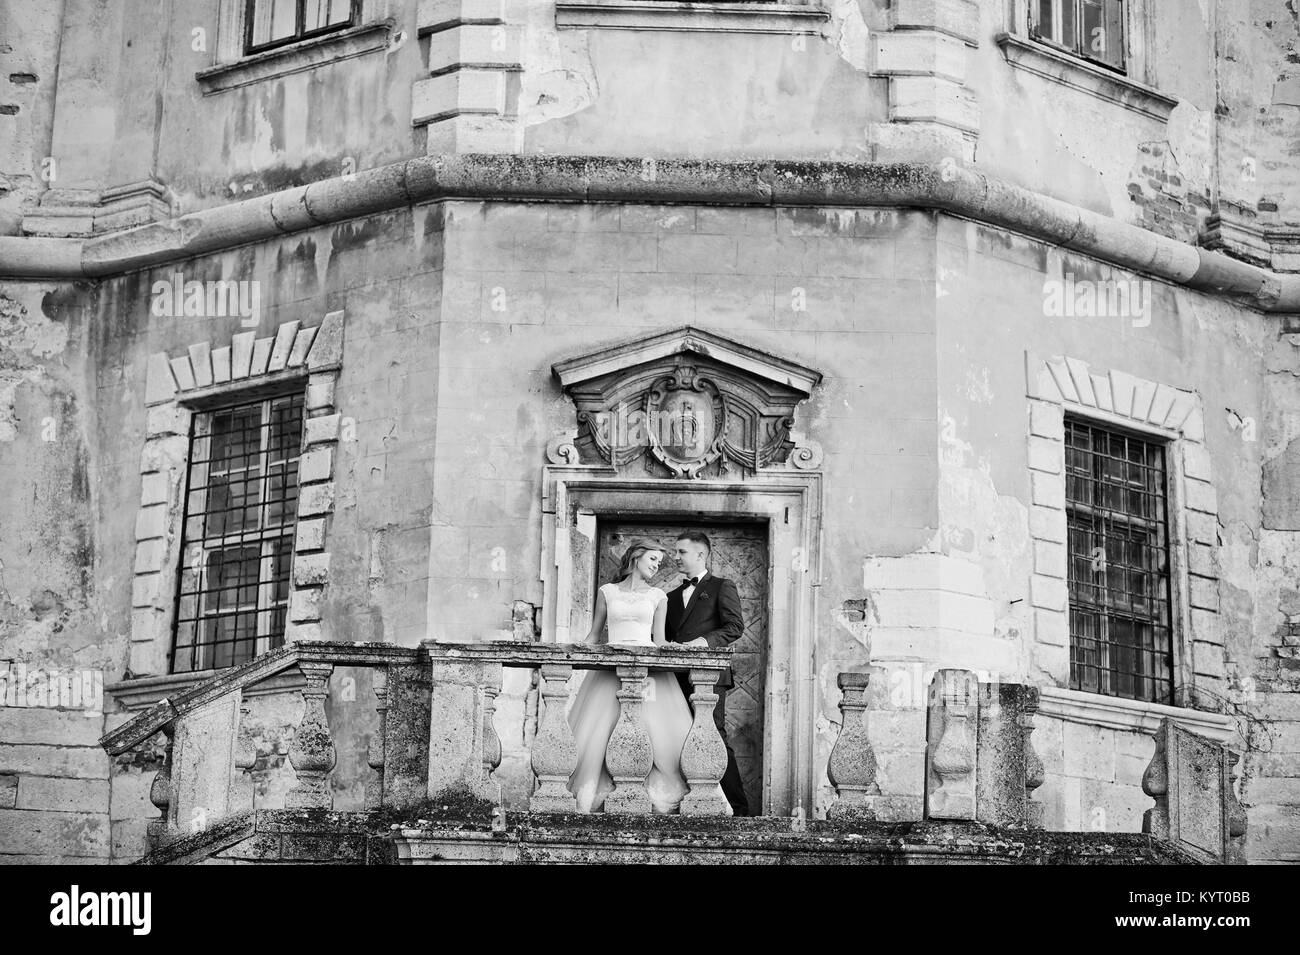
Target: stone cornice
944	187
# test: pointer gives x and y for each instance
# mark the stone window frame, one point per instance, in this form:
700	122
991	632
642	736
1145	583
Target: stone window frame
296	357
1136	89
232	67
787	19
1062	385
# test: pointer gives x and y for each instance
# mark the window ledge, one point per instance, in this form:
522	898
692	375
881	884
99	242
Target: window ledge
1112	712
309	54
143	692
781	18
1059	67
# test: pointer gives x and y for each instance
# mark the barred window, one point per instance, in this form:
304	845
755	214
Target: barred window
1091	29
1116	510
241	507
273	23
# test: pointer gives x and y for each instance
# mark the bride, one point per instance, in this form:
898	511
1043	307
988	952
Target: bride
634	612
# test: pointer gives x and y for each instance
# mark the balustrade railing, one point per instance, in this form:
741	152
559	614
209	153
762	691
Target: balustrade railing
464	748
436	707
204	759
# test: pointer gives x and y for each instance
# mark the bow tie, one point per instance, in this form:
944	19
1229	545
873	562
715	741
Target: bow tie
692	581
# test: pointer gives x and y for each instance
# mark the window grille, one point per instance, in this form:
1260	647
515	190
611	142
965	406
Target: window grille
1116	514
241	508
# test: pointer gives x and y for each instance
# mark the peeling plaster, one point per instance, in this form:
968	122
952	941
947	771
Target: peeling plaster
22	341
850	34
558	77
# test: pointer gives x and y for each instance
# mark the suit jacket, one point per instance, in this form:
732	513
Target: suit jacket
714	614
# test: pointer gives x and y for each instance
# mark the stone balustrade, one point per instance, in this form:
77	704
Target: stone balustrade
464	749
1190	777
980	762
436	706
198	784
437	703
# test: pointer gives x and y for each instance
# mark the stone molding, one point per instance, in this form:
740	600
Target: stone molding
1058	386
204	377
942	186
1059	67
789	500
1239	233
467	101
788	19
86	212
738	401
1131	716
296	58
924	57
143	692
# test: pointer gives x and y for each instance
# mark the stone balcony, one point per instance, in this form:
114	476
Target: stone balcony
433	797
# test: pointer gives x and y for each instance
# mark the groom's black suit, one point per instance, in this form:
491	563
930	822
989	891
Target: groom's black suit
714	614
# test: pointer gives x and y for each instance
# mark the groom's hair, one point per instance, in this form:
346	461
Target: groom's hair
698	537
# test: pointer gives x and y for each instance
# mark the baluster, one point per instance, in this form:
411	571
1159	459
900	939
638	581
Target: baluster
554	752
1234	842
160	792
1035	773
311	753
951	749
1155	783
852	764
704	755
491	741
376	756
243	788
629	757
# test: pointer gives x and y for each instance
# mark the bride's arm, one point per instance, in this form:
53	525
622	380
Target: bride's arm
597	619
657	628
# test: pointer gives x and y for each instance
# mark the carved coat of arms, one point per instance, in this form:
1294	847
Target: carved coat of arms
684	404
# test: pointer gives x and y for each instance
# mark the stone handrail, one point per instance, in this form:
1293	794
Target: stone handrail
464	749
135	731
196	786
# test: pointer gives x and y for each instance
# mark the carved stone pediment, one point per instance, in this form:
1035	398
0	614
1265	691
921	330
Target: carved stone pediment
685	404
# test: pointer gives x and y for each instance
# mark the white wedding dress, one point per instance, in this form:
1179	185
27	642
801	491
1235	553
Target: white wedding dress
665	712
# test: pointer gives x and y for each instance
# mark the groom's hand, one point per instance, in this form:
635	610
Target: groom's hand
697	642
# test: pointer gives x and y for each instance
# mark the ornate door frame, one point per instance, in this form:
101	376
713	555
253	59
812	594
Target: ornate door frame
789	502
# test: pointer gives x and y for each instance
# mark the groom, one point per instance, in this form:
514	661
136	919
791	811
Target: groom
705	611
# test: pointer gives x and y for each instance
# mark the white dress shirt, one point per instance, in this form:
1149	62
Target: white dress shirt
689	592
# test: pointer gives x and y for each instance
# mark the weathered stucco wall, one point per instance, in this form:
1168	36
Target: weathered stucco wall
454	313
132	110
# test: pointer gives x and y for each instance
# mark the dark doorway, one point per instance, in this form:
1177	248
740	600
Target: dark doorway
740	555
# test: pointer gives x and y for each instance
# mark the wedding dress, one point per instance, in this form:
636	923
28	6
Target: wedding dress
665	712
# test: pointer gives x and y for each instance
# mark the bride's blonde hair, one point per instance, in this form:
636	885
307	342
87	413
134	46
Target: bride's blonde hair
633	553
